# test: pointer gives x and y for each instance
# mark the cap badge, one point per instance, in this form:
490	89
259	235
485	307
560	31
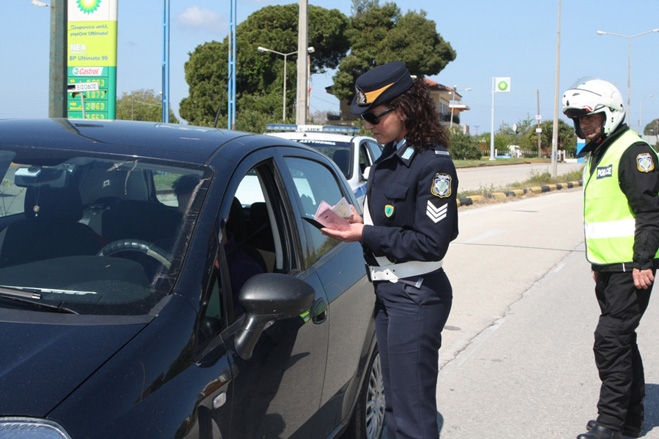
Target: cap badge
360	97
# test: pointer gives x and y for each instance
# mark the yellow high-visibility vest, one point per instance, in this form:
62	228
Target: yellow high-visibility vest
609	223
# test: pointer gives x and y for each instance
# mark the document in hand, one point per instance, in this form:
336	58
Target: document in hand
334	217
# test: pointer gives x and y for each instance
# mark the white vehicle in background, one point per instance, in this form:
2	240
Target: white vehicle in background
353	154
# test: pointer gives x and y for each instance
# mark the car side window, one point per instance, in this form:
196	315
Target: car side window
314	183
251	245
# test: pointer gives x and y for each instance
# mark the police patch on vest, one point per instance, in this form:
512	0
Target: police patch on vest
644	162
605	172
441	185
388	210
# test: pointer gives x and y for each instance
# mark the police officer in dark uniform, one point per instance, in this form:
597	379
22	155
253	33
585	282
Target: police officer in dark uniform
621	223
410	217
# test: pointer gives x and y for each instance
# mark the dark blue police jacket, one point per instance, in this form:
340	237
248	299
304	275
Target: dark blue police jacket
411	199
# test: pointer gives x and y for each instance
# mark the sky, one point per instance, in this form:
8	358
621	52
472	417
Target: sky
503	38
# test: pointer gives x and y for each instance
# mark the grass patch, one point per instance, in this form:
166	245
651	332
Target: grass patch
535	179
485	161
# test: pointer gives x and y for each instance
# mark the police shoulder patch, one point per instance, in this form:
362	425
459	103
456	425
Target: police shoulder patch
644	162
441	185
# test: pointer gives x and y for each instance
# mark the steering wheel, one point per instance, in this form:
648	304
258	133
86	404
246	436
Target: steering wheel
137	245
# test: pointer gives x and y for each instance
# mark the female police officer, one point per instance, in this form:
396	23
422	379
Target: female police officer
410	217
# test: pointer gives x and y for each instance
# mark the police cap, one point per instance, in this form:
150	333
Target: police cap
380	85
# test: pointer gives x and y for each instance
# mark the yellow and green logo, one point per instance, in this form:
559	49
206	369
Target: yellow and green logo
88	6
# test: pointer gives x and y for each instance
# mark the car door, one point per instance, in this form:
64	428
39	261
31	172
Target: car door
340	268
277	391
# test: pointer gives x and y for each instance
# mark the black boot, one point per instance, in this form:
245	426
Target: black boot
599	432
627	430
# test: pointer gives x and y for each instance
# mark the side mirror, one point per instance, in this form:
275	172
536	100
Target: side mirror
267	297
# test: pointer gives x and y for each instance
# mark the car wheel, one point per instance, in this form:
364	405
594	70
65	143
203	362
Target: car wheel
368	418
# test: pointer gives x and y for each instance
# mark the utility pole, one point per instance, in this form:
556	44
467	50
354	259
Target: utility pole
302	95
57	91
538	130
554	137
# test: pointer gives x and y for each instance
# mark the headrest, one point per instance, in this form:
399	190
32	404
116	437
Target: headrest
47	203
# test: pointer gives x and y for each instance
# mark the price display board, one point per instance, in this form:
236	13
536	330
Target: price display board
92	59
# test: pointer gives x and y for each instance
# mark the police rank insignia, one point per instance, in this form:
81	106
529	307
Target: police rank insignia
644	162
441	185
436	214
388	210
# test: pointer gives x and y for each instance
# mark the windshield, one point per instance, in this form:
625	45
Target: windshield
92	235
339	152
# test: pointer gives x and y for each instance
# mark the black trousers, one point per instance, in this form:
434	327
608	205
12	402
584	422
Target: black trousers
409	323
617	356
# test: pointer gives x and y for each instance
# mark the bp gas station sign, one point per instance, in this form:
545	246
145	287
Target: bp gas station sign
92	59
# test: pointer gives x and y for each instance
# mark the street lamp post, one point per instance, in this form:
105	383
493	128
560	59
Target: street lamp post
640	114
261	49
629	61
455	94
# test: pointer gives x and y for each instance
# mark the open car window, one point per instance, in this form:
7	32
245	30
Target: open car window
93	235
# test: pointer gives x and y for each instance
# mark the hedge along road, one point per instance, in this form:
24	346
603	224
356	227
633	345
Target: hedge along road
501	175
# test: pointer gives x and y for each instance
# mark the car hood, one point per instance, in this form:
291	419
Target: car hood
41	364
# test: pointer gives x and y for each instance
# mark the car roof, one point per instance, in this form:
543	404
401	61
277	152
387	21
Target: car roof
315	136
316	133
184	143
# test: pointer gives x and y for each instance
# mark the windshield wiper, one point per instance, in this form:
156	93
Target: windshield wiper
32	297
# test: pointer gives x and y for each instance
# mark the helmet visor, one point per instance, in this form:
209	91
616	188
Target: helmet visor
575	113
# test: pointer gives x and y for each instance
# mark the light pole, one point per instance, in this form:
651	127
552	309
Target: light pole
455	98
261	49
640	114
629	61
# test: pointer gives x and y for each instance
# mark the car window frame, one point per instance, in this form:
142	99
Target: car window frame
308	260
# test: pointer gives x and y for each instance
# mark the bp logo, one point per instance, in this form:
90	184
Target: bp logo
502	85
88	6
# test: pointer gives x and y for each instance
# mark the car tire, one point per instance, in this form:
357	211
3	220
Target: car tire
368	418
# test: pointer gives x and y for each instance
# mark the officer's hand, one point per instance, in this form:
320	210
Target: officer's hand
643	279
355	217
354	233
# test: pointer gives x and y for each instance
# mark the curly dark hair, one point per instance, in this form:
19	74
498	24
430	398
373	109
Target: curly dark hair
423	127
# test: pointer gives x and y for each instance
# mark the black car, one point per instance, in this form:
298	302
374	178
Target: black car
161	281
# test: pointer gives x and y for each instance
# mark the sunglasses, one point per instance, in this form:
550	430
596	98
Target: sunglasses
373	118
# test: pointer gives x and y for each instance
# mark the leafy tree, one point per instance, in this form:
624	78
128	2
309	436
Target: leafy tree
652	129
567	139
260	76
141	105
381	34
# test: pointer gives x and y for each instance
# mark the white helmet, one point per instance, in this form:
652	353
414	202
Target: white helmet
590	96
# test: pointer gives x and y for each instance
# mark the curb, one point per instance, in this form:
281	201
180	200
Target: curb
499	196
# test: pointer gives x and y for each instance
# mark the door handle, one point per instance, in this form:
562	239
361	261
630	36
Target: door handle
319	311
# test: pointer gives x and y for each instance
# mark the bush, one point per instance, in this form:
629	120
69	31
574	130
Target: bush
464	147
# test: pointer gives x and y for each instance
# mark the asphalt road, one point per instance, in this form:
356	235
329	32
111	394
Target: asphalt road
516	360
496	177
